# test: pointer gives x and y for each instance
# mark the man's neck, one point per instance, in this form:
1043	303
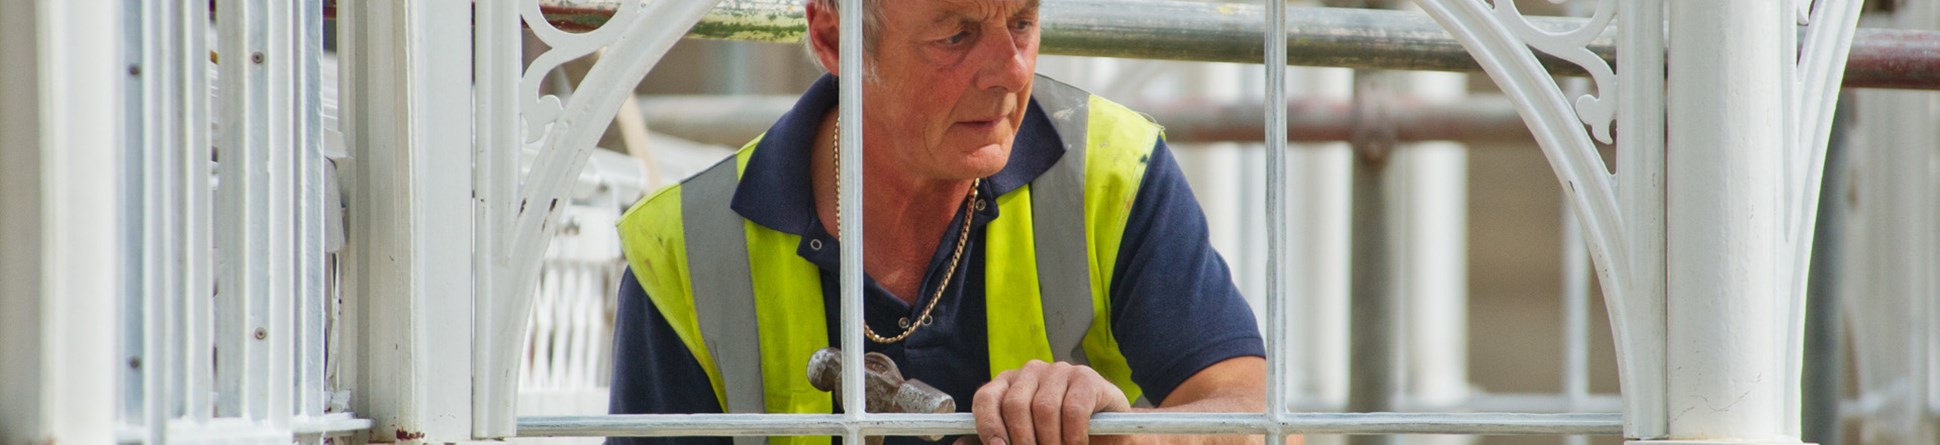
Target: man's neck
904	215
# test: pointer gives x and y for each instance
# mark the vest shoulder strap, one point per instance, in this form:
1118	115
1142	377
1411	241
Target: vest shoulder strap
723	287
1058	211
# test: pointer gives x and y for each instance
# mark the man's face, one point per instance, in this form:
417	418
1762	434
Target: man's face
954	79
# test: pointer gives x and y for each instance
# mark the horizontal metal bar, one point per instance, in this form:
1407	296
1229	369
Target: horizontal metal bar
1230	32
666	425
1894	58
237	429
734	120
333	424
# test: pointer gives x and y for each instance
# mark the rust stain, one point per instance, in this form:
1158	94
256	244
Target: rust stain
409	435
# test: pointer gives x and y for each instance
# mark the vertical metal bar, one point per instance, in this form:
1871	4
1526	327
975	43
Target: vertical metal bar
850	203
495	173
239	272
146	335
140	313
260	251
276	334
1576	316
170	151
1373	312
1793	156
1724	220
1640	192
408	83
850	209
307	63
1375	366
436	42
198	287
1277	357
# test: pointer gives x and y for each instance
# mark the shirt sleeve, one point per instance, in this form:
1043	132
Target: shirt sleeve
1174	308
653	373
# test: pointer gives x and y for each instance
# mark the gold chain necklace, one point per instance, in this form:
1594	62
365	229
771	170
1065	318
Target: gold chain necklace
962	235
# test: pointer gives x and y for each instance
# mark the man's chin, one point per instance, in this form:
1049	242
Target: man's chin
987	160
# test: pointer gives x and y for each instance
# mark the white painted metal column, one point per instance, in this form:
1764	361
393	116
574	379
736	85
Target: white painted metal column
60	260
407	77
1724	215
495	179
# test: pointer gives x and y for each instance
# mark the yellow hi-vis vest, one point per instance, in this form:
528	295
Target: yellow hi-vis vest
752	316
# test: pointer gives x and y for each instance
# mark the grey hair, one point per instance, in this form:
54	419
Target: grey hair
871	28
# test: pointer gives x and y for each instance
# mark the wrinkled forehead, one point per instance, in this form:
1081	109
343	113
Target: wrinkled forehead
927	13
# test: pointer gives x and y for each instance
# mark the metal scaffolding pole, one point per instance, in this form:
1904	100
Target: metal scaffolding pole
1229	32
734	120
660	425
1375	367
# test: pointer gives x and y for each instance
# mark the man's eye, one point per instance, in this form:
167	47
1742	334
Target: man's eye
1024	25
958	38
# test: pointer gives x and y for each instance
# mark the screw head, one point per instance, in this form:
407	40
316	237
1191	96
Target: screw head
262	333
256	57
134	69
134	363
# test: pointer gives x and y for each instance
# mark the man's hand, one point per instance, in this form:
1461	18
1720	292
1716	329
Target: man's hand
1044	404
1052	403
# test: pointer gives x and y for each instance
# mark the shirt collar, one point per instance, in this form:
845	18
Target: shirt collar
775	189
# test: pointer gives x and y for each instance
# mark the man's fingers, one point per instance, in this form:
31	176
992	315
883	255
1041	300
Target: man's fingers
1043	404
986	408
1015	407
1077	411
1108	397
1047	406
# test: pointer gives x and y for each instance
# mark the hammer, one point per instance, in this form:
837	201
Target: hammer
884	389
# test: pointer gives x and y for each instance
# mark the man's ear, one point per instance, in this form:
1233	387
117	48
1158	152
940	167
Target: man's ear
823	35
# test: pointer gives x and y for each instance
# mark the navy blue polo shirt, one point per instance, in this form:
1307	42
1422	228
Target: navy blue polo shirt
1174	308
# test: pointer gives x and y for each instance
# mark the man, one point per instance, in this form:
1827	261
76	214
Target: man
1014	226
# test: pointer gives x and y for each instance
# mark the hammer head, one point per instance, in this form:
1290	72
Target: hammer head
884	389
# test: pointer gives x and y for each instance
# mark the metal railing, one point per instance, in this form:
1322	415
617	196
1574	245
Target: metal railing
226	332
662	425
1275	424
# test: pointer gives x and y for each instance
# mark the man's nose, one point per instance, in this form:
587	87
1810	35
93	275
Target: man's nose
1005	65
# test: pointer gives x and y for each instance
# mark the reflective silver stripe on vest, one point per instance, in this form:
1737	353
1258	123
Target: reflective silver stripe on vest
1058	218
717	263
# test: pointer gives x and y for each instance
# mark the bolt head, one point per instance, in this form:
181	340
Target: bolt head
262	333
256	57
